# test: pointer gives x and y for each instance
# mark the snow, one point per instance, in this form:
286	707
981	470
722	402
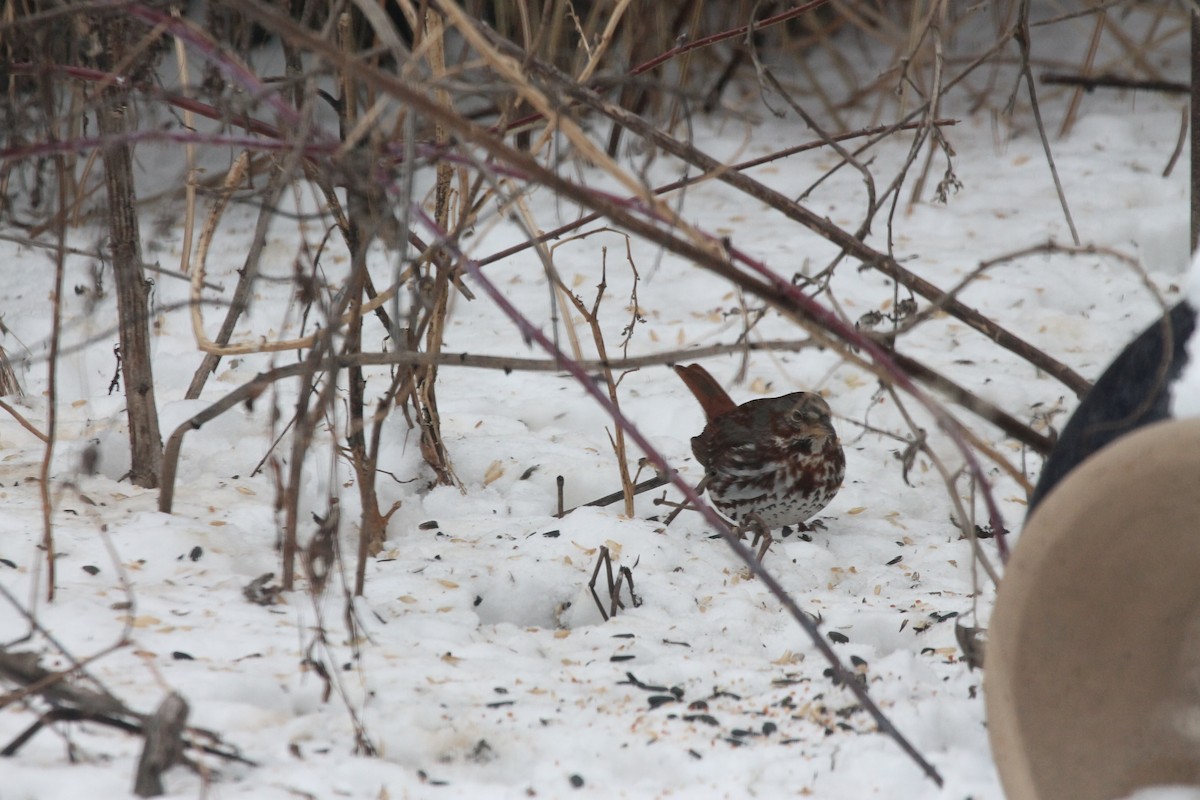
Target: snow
1166	793
484	668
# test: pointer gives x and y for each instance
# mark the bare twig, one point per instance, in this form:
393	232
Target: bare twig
75	251
1023	41
24	423
592	318
60	257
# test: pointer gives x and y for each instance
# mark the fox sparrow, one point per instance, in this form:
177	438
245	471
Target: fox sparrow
778	458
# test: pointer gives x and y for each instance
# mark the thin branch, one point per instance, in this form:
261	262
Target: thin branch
74	251
60	267
1022	37
24	423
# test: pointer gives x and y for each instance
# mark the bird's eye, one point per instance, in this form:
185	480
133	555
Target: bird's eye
808	416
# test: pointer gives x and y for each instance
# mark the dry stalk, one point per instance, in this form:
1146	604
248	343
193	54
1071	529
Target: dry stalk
60	257
1022	37
24	423
592	318
1086	69
438	299
189	217
113	120
364	224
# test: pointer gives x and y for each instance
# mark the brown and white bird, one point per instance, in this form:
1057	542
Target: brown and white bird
776	458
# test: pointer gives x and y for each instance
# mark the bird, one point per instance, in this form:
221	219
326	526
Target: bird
774	461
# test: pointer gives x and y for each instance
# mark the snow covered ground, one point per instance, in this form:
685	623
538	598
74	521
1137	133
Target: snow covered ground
486	670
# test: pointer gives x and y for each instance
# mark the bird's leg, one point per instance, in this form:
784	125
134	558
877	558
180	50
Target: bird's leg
754	522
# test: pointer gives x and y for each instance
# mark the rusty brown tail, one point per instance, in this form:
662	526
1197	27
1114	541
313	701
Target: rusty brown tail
713	399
